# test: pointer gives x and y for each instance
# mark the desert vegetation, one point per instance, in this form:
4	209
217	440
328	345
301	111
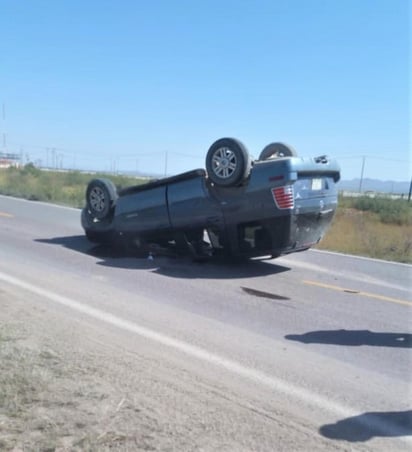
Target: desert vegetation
60	187
378	227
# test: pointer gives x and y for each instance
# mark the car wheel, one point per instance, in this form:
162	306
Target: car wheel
275	150
101	197
227	162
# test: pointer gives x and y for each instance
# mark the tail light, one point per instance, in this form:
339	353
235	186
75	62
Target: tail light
283	197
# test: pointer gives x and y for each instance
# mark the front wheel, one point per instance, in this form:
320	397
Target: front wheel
227	162
101	197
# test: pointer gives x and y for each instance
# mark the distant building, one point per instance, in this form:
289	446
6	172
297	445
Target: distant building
7	160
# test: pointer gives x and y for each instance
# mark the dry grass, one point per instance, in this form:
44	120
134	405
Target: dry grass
50	403
364	234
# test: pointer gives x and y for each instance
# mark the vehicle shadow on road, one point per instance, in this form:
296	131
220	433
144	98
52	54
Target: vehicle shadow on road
74	242
368	425
167	263
217	269
354	338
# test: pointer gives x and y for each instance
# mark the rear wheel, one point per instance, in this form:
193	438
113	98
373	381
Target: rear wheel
276	150
227	162
101	197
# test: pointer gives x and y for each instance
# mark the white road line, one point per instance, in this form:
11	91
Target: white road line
253	375
341	273
363	258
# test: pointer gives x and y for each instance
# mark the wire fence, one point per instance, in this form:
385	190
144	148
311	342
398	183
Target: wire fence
141	162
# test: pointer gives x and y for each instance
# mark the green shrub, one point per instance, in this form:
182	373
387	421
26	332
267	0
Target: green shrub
388	210
63	187
394	211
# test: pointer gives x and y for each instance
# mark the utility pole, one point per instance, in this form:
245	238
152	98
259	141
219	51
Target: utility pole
4	127
166	163
361	177
410	191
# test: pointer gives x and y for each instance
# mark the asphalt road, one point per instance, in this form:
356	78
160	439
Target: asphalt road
311	351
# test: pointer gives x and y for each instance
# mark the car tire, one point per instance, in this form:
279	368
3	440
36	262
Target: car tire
227	162
101	196
276	150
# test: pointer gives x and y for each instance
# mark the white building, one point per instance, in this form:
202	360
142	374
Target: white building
7	160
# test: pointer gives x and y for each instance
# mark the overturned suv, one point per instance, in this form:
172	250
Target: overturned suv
275	205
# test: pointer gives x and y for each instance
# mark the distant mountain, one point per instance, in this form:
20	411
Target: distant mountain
375	185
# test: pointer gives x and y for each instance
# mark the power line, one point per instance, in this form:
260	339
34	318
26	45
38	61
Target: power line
373	157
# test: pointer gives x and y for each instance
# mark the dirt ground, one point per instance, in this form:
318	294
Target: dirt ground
56	395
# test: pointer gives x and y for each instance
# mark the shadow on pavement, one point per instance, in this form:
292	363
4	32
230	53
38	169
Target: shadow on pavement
354	338
75	242
368	425
167	263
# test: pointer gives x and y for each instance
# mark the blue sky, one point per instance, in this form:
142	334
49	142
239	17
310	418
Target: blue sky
149	85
